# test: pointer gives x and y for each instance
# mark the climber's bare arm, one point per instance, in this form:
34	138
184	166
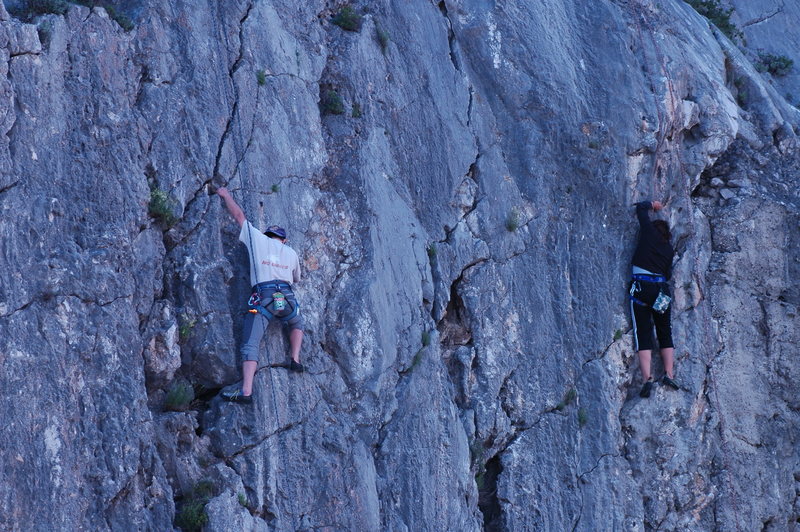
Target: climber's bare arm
231	205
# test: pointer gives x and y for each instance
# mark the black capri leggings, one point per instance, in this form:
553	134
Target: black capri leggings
644	317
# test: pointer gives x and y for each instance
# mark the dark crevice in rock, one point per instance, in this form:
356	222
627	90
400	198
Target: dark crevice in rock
235	108
469	106
90	301
247	448
19	54
288	75
454	328
8	187
602	457
504	403
605	350
473	174
234	117
20	309
763	18
488	502
451	37
741	438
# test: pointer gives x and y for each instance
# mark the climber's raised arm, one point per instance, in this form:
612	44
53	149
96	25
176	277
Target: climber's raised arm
231	205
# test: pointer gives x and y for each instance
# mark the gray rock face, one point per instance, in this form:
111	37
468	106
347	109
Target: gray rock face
457	178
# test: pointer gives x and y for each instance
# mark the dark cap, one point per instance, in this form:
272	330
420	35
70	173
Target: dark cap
275	230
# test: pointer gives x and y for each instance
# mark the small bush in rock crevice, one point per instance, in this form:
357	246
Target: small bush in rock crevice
347	19
179	396
512	220
331	103
161	207
191	516
383	38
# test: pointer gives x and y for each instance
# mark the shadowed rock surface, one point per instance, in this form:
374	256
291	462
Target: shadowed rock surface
458	180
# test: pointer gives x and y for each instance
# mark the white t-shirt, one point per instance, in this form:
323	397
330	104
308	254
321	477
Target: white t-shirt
269	258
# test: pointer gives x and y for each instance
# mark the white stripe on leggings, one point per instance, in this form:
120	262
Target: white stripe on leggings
635	332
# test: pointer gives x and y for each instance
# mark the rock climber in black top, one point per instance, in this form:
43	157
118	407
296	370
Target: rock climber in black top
650	295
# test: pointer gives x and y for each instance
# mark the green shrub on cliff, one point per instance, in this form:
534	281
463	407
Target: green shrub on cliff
120	18
347	19
43	7
35	8
192	513
777	65
331	103
162	207
721	17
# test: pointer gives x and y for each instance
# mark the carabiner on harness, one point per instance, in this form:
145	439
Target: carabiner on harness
255	300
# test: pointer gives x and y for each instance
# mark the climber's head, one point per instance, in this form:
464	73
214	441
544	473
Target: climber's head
275	231
663	229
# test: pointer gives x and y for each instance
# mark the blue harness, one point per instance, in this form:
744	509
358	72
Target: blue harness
649	278
255	305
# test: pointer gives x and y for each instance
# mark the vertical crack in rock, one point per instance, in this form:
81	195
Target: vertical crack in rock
451	36
454	328
235	106
488	501
239	152
469	107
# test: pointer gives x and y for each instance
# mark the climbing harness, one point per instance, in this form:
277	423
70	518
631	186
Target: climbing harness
277	306
649	278
662	301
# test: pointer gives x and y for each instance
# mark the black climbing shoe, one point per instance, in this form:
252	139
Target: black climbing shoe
296	367
236	396
646	389
666	381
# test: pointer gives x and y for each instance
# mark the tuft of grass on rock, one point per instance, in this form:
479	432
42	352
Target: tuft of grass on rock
383	38
187	323
426	338
348	19
162	207
275	188
617	334
569	397
331	103
431	251
356	113
119	17
261	77
415	361
583	417
179	396
512	220
191	516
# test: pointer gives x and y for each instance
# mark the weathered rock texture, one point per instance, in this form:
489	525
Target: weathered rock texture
464	225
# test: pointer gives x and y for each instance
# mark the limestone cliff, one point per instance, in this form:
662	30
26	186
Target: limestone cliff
458	179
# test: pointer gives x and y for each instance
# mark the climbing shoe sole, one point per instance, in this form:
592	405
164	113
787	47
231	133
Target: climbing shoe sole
236	396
